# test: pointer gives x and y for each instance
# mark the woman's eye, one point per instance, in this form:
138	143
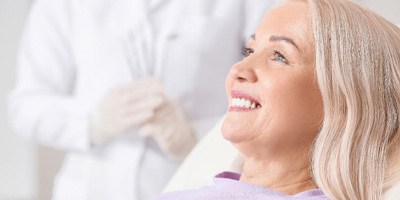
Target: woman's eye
277	56
247	51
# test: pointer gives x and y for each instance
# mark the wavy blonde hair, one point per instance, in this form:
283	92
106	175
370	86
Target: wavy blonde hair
356	154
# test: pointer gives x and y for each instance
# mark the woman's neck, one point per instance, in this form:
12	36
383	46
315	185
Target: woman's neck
286	177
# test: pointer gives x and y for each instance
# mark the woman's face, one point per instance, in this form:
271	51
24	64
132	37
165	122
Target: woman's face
274	100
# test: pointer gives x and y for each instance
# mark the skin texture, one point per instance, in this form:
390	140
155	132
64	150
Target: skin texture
279	73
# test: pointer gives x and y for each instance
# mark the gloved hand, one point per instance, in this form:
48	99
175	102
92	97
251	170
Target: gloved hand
125	107
171	130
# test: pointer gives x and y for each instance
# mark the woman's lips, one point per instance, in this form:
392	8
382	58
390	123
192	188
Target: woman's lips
240	101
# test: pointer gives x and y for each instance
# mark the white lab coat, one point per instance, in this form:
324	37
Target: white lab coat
73	51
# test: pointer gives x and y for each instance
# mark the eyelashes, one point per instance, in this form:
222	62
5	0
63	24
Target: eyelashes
247	51
275	55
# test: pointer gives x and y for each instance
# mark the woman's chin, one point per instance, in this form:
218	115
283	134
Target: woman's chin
231	130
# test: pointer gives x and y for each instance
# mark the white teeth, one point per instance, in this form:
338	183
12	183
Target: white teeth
248	104
244	103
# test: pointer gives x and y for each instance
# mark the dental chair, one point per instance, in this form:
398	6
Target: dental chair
212	155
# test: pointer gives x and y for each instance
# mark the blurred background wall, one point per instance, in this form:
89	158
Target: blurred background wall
390	9
17	158
27	170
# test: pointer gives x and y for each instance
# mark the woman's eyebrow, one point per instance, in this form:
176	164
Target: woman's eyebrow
275	38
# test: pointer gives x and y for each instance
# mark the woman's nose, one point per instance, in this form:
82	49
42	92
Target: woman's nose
243	73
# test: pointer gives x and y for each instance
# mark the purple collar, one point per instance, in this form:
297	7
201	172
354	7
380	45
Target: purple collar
230	180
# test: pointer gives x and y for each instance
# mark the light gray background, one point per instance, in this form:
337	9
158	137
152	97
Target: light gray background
26	170
17	157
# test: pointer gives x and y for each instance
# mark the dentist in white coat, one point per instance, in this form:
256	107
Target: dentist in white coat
125	87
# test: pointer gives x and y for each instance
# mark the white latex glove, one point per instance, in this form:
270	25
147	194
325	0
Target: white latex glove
125	107
171	130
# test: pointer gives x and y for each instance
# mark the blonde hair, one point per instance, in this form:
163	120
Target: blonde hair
356	152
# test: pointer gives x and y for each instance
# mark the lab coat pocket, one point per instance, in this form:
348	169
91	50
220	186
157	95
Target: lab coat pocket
182	55
191	29
185	41
205	48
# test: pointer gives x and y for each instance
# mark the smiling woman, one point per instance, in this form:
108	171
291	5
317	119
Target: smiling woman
314	107
279	73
